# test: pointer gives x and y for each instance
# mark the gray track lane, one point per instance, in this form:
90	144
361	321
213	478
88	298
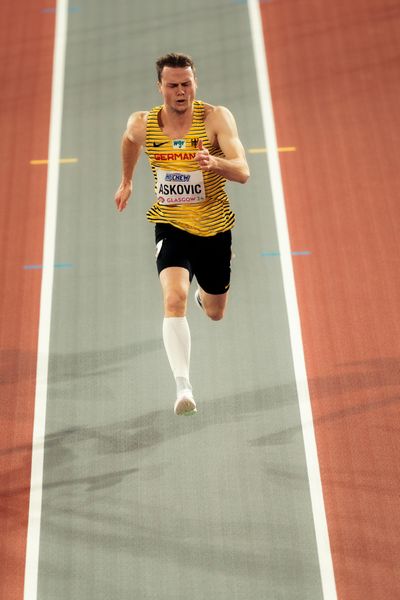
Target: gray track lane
139	504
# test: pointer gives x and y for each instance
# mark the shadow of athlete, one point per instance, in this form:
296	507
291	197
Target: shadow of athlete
193	148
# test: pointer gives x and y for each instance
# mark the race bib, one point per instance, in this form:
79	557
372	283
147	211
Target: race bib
175	187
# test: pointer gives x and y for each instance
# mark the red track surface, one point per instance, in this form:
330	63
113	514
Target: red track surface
334	69
26	53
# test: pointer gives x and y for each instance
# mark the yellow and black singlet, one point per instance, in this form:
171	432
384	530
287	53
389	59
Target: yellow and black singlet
186	197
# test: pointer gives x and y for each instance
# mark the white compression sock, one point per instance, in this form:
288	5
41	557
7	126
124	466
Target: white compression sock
176	336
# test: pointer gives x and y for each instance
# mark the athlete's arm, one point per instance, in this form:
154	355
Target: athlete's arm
234	166
131	145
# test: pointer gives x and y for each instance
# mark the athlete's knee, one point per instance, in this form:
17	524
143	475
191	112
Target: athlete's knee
214	306
175	300
215	313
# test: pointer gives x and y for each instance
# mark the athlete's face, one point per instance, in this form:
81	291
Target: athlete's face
178	88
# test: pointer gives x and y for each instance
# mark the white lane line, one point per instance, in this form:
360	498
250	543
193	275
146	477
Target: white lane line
317	501
35	501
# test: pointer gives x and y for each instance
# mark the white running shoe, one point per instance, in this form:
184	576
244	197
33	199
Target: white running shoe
197	299
185	404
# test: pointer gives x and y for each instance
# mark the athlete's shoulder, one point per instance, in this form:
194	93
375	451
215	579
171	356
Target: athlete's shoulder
136	126
216	113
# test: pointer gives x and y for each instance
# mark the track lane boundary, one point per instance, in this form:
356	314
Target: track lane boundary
313	470
35	499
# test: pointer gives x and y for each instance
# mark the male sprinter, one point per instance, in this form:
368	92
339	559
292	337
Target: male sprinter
192	148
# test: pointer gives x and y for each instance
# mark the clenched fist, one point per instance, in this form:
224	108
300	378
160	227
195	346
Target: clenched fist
204	158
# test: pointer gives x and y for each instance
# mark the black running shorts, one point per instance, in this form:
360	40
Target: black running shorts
206	258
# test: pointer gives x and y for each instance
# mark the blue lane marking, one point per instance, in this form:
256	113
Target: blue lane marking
56	266
294	253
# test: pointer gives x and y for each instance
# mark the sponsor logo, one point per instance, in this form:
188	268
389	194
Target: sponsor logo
177	177
158	144
176	156
182	200
178	144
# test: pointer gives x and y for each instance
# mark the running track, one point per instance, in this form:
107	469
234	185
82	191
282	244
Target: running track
26	47
335	87
334	70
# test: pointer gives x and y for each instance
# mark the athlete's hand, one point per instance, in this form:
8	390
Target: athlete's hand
122	196
203	157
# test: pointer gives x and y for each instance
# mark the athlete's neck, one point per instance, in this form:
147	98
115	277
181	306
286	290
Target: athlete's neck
175	123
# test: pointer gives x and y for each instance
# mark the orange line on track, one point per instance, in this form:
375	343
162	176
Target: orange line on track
264	150
62	161
335	89
25	81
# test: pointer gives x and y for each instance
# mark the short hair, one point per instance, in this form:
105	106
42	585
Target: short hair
175	60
